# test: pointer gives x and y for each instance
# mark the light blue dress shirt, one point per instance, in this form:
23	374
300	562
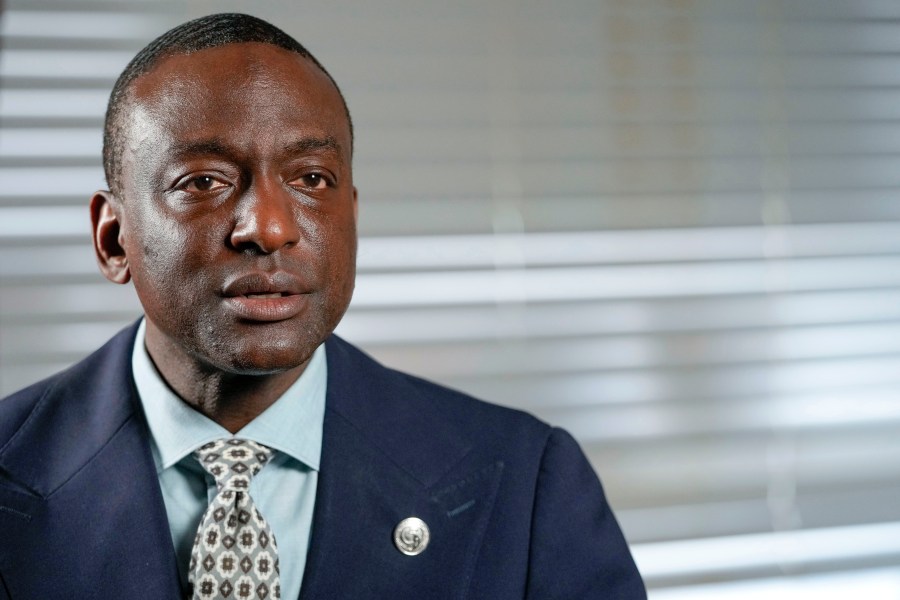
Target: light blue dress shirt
284	491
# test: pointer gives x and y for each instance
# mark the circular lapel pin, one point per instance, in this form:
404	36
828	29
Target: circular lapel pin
411	536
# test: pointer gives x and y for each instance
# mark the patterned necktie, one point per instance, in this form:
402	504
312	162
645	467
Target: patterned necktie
234	553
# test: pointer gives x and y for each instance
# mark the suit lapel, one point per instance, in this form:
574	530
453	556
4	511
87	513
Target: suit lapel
388	455
88	504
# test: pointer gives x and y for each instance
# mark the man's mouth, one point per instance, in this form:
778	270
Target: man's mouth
265	297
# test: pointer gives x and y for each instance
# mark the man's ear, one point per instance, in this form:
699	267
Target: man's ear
355	207
106	224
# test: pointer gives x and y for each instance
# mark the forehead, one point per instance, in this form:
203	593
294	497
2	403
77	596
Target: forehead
236	89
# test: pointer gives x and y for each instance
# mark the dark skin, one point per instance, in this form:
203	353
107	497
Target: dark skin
236	222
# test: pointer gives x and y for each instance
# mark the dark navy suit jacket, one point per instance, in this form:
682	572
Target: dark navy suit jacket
514	509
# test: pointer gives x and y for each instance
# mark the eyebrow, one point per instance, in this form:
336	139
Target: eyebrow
314	144
216	146
211	146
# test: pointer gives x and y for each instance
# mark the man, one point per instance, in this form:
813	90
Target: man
228	445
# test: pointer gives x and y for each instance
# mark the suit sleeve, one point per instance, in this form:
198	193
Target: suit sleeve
577	549
4	593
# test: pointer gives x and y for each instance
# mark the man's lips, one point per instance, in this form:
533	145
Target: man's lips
265	297
260	283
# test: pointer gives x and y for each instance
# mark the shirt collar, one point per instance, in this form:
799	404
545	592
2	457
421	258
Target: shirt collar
292	425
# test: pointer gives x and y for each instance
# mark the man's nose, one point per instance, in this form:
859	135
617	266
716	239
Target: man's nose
266	219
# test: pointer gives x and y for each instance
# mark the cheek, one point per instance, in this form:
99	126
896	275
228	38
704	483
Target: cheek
334	238
340	248
165	254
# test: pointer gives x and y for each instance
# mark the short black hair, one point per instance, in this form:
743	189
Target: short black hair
199	34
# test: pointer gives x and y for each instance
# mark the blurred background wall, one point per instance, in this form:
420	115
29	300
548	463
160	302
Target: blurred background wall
671	227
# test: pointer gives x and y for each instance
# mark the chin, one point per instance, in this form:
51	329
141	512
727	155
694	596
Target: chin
269	360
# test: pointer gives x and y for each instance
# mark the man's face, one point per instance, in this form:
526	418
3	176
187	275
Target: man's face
238	211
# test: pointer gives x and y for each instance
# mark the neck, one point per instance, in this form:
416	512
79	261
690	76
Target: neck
230	399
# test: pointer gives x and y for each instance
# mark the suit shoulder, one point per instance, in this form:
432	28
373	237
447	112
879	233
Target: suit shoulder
15	408
457	410
70	385
472	409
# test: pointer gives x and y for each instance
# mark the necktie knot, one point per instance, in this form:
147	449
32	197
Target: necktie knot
234	552
233	462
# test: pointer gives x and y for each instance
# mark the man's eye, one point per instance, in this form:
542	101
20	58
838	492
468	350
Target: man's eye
315	181
203	183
